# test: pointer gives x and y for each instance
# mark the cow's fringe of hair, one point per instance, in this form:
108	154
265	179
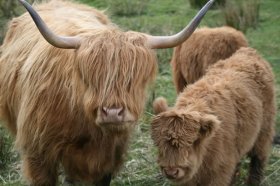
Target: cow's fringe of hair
117	56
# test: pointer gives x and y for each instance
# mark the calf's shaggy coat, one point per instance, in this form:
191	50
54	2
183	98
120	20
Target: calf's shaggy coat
205	47
225	115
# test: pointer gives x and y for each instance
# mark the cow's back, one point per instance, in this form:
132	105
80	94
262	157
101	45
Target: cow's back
205	47
247	93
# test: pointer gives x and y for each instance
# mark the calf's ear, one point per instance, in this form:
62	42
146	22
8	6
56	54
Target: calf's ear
208	125
160	105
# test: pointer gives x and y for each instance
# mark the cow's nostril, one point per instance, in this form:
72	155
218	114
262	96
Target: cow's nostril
176	172
121	112
103	110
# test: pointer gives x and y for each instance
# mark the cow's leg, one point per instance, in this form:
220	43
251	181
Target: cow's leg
259	156
38	172
236	174
256	170
68	181
105	181
222	177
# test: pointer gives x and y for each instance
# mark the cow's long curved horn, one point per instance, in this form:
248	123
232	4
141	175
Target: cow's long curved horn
55	40
157	42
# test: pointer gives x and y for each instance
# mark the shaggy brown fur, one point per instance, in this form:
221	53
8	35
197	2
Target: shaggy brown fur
50	96
205	47
222	117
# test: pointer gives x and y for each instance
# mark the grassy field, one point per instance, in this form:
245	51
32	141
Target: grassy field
163	17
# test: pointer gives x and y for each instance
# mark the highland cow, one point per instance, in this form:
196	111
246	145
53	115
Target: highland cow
74	100
205	47
227	114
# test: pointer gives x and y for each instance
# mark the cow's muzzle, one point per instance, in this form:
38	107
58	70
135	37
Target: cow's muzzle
173	173
113	116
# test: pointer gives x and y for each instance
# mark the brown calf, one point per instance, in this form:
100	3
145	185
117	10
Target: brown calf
225	115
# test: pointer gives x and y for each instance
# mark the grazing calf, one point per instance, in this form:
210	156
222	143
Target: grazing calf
205	47
73	98
216	121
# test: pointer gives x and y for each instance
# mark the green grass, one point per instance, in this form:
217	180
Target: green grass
163	17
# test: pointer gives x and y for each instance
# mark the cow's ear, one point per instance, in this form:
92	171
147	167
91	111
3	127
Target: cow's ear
160	105
208	125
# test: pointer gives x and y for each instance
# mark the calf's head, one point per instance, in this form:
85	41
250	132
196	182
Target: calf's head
181	137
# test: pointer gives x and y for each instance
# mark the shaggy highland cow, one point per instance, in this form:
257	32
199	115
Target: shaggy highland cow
205	47
73	100
224	116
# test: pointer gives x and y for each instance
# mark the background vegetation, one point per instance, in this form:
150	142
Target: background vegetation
164	17
201	3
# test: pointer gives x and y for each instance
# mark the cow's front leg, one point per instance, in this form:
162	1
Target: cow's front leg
68	182
38	172
105	181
